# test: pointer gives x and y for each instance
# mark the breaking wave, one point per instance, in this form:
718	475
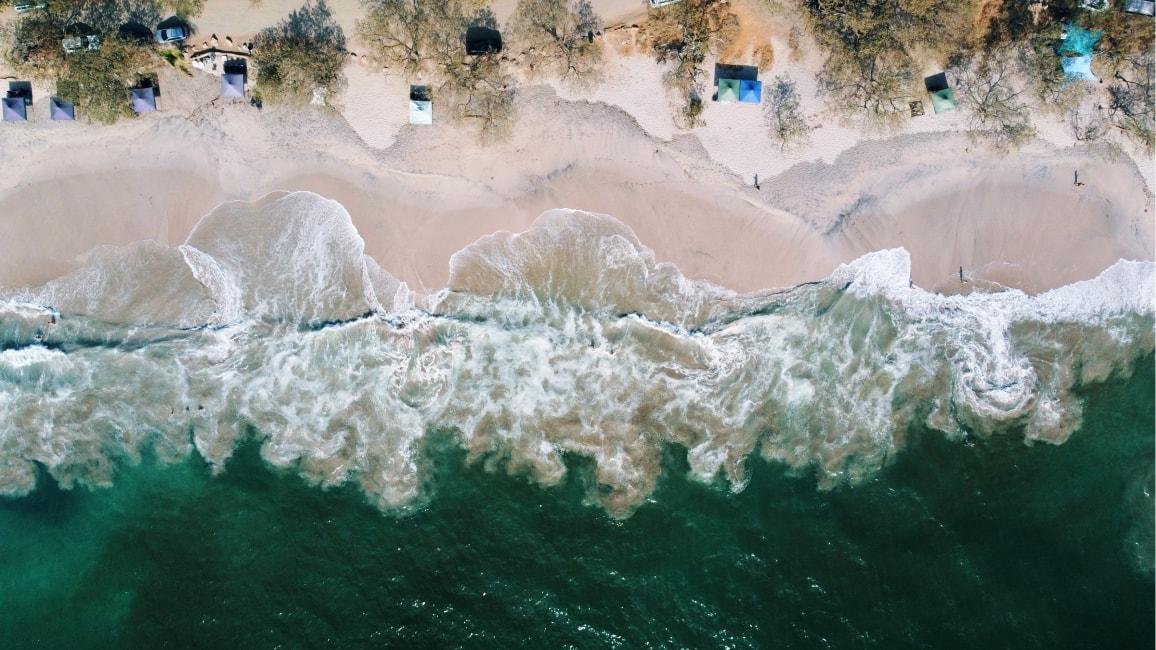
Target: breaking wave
271	322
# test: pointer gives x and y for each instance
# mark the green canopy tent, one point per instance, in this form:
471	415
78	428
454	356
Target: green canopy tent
728	90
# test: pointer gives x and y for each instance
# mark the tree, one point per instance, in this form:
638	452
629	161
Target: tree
427	38
184	8
97	81
1133	102
301	54
987	89
784	114
874	86
399	32
874	45
684	34
559	34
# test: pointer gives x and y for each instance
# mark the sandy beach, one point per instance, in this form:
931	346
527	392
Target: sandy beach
418	194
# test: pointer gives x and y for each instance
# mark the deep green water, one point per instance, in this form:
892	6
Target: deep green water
989	544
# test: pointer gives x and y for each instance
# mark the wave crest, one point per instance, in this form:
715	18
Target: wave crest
566	339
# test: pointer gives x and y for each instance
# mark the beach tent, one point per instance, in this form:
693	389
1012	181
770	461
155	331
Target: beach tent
1075	51
420	107
15	110
61	110
1078	67
750	91
728	90
942	96
144	100
233	85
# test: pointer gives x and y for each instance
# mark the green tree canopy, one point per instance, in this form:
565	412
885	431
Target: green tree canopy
302	53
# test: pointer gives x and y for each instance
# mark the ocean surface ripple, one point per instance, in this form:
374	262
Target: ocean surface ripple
567	339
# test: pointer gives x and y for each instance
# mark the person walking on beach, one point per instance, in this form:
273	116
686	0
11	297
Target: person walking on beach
757	182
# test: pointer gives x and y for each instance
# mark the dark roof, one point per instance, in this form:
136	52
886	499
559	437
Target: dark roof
22	89
483	40
732	71
936	82
419	93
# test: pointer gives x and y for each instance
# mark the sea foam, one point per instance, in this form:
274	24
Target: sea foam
568	338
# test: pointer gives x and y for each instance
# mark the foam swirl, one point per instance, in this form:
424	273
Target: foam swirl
566	339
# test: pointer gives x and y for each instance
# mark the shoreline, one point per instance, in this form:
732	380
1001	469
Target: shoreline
1010	221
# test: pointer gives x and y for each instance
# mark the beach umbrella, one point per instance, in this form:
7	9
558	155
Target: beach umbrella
60	109
728	90
750	91
14	109
144	100
233	85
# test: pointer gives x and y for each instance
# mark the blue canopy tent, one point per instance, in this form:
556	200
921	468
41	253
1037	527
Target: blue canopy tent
750	91
144	100
15	110
61	110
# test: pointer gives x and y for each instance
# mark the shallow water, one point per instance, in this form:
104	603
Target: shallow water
571	444
991	544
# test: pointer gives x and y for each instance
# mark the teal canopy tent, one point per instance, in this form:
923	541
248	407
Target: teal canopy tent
1075	50
728	90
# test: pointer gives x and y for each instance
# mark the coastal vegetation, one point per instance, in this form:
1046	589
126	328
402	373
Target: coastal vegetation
557	36
300	58
95	78
1003	56
784	113
684	34
426	41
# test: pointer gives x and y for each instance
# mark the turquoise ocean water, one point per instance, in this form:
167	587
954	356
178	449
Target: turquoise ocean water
988	543
263	439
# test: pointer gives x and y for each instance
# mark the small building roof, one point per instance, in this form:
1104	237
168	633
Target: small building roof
233	85
728	90
61	110
144	100
1142	7
14	109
